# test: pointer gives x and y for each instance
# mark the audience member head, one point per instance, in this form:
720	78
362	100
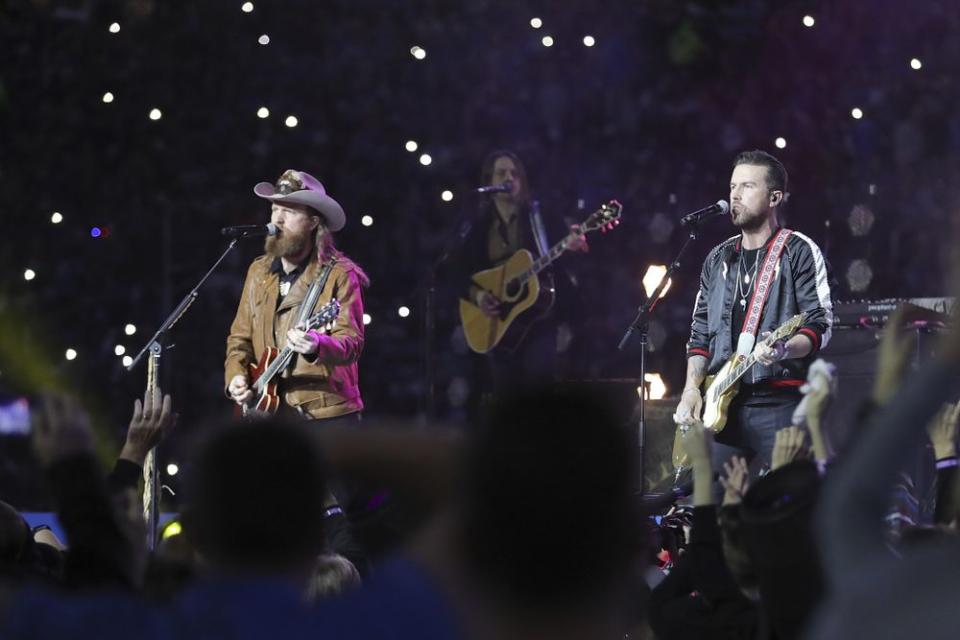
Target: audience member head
333	575
254	498
547	517
21	557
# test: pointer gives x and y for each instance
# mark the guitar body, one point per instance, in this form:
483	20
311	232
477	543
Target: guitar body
269	400
520	306
716	401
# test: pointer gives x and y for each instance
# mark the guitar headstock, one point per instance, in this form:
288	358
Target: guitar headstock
786	329
605	218
326	318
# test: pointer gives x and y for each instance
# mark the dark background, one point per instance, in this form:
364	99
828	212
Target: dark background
652	115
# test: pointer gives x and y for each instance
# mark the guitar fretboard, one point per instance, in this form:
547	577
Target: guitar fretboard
546	259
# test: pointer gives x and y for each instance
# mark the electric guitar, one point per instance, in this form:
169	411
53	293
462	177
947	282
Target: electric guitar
723	386
266	398
515	284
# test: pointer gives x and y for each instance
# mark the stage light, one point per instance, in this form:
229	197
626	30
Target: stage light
130	329
859	275
367	318
172	469
446	196
155	114
119	349
56	217
403	312
652	277
127	361
264	39
115	27
418	52
70	354
915	64
107	98
263	112
291	121
808	21
367	221
536	23
781	143
861	220
657	388
425	159
589	41
171	530
411	146
96	232
857	113
547	41
246	7
29	274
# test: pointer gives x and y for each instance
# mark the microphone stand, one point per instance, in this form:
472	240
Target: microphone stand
428	286
641	324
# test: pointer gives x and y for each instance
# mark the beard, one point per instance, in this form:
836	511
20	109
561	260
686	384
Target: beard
287	244
748	220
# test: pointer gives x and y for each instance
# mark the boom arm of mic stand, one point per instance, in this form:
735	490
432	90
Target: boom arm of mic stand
180	308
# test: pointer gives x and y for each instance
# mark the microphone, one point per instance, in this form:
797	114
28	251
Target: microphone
721	208
250	230
505	187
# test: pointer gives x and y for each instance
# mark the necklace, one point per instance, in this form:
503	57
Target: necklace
746	279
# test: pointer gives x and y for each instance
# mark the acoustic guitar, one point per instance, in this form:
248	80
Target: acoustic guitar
516	285
266	398
722	387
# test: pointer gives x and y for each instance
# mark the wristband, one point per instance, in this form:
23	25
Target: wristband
946	463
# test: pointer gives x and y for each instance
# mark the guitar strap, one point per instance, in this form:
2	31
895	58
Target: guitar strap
764	283
313	294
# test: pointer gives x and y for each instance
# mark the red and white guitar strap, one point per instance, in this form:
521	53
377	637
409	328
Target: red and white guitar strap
761	291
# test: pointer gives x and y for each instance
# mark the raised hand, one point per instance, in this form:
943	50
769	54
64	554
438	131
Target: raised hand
735	481
788	446
150	422
61	429
943	431
893	357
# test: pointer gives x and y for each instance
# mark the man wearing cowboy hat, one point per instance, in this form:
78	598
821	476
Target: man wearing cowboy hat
321	383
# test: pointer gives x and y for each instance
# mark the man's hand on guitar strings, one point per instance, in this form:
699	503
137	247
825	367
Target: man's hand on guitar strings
768	355
239	389
578	242
303	342
690	407
488	303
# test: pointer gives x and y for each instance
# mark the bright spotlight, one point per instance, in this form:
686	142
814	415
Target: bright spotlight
246	7
130	329
403	312
366	221
808	21
96	232
70	354
155	114
652	277
119	349
536	23
547	41
589	41
418	52
172	469
29	274
367	318
781	143
115	27
171	530
425	159
56	217
657	389
915	64
291	121
857	113
107	98
411	146
264	39
127	361
447	195
263	112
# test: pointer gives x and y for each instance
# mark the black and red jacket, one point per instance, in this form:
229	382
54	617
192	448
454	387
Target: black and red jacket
801	285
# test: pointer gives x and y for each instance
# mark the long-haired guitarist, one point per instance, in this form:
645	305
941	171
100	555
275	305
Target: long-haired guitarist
750	285
509	221
321	380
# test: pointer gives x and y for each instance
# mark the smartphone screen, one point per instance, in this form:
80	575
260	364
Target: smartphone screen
14	416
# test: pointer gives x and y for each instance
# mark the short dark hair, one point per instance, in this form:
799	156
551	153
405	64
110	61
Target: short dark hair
776	172
254	496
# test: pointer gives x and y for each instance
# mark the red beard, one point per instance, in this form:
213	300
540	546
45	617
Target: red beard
287	244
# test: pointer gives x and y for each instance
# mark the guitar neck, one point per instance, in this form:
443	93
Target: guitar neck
737	372
547	259
275	367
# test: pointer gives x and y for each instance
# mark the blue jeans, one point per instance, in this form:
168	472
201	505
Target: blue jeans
751	430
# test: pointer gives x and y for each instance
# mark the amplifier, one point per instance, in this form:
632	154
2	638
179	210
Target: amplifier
874	313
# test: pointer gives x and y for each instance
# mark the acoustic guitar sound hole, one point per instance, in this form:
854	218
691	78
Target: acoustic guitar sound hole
512	289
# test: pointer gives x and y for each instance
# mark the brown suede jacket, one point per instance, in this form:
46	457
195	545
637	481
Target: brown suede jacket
326	387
